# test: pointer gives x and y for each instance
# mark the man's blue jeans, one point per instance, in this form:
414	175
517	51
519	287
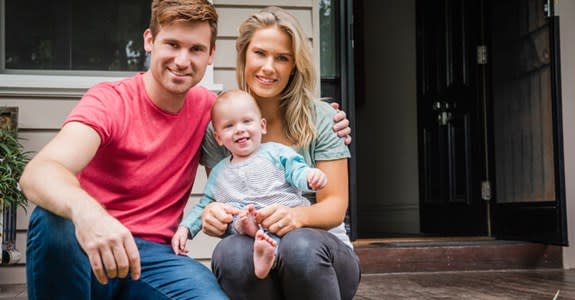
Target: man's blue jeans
57	268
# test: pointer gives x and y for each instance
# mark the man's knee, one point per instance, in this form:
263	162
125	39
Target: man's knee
49	231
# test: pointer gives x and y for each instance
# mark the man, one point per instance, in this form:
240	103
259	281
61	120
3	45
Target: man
112	185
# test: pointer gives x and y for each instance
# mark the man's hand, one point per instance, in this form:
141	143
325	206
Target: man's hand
341	127
109	246
216	217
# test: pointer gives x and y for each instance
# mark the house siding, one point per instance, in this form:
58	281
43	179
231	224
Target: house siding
44	106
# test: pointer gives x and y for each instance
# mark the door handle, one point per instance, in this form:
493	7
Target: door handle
443	113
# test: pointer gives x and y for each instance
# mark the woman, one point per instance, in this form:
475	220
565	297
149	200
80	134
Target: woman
316	258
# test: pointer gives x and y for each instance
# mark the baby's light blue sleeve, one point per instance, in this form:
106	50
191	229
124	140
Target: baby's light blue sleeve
293	164
193	221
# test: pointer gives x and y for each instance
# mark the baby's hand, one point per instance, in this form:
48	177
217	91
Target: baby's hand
316	179
179	241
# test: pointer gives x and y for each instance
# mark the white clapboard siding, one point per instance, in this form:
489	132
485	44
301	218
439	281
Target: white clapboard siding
44	103
231	17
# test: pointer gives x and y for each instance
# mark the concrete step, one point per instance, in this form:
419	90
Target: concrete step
454	254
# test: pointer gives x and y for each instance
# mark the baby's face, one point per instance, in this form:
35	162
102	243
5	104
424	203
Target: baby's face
239	127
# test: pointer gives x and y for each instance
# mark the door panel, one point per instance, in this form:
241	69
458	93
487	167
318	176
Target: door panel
449	110
529	199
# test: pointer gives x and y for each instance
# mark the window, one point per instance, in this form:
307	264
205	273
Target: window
74	35
329	49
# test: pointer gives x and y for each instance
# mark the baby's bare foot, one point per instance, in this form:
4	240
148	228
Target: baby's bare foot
246	223
264	254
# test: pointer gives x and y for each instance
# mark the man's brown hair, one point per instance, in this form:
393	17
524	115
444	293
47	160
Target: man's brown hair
167	12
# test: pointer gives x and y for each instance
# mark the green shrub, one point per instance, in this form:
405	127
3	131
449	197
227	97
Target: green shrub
13	159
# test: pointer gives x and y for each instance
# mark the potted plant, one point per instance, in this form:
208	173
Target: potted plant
13	159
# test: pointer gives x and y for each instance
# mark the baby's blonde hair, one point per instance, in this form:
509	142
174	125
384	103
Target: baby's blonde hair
233	95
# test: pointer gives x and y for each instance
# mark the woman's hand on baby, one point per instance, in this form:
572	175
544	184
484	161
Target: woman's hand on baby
216	217
179	241
278	219
316	179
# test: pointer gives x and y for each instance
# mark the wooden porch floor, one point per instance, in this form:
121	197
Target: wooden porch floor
488	285
448	268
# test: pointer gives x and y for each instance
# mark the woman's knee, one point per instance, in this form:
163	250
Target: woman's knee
303	242
304	248
233	256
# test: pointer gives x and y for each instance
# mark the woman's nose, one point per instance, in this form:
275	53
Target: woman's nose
268	64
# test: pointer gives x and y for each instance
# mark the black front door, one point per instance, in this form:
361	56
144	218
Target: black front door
529	198
450	122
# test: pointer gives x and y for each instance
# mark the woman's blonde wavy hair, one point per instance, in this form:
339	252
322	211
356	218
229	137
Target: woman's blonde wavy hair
297	96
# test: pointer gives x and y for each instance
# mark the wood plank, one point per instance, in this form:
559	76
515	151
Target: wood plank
231	17
40	113
524	284
292	3
456	255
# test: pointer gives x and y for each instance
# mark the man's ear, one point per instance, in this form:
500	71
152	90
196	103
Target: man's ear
263	123
148	40
212	55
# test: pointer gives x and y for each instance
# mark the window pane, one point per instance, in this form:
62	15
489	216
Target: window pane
328	38
329	47
76	34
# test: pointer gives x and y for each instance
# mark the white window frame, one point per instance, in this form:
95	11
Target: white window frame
58	83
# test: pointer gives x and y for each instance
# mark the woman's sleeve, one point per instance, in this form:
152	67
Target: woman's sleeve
327	146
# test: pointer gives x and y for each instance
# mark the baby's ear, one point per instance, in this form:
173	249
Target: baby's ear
264	125
218	139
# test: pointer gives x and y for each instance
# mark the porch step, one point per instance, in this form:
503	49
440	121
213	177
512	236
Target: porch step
454	254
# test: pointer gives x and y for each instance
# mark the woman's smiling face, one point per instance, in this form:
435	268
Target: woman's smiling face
269	63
